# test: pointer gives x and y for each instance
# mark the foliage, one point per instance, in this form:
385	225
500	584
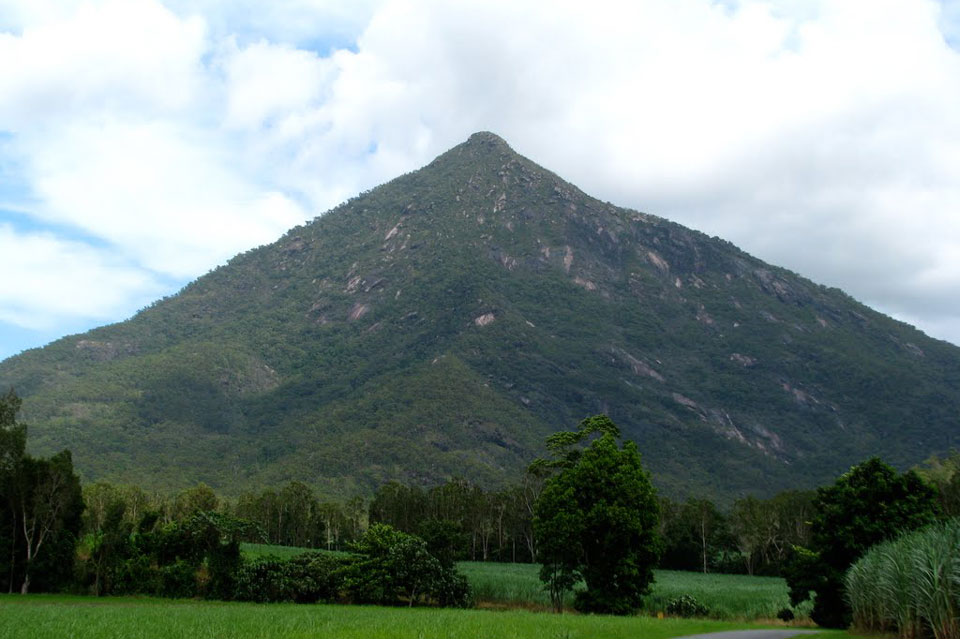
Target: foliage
867	505
944	475
786	614
395	567
909	584
306	578
695	534
597	520
41	505
686	606
460	520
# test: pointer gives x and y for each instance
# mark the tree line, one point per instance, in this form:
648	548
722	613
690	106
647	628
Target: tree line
585	512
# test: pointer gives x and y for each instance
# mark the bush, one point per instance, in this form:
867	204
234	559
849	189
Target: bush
306	578
394	567
785	614
178	580
686	606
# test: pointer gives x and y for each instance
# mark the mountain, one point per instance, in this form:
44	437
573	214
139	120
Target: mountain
444	323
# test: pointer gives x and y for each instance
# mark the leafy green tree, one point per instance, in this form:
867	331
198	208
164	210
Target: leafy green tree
596	520
109	546
13	439
198	498
868	504
695	533
396	567
944	474
49	499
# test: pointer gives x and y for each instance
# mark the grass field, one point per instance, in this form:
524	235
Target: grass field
730	597
726	597
63	617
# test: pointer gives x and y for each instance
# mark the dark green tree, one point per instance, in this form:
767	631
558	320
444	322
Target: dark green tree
393	567
110	546
596	520
49	503
868	504
13	440
694	533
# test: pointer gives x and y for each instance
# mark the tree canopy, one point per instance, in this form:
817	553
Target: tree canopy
868	504
596	520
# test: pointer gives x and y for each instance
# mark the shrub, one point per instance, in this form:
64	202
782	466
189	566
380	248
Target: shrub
306	578
686	606
785	614
395	567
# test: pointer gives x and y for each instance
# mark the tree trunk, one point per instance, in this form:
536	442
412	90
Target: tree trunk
703	544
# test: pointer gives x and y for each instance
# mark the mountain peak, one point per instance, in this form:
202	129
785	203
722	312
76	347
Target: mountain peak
486	137
444	323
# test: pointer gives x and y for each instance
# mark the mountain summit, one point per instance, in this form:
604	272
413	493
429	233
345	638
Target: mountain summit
444	323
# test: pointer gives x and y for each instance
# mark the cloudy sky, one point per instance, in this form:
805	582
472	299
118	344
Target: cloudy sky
143	142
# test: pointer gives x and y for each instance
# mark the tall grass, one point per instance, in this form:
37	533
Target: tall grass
910	584
60	617
729	597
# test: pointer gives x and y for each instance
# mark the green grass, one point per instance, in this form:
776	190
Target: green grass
61	617
253	551
725	596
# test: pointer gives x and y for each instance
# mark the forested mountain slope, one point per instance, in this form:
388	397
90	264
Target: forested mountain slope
445	322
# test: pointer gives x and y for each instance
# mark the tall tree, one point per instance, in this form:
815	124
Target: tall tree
597	519
868	504
49	502
13	439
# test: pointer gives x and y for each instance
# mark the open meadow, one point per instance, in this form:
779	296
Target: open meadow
66	617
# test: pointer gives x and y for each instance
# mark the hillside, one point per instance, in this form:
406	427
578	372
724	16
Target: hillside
445	322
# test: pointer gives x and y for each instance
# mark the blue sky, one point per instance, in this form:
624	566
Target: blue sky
143	142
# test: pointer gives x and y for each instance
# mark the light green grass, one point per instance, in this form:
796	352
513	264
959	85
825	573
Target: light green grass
254	551
725	596
60	617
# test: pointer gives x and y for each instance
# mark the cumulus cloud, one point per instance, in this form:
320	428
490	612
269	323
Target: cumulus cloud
47	280
823	136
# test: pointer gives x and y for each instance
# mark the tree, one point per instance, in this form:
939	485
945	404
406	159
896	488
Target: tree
394	566
13	440
694	533
596	520
868	504
49	502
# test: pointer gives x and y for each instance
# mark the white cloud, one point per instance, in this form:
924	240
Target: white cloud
126	56
47	280
266	81
823	136
159	192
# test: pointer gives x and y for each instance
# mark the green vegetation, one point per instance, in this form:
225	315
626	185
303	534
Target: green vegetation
40	509
910	584
55	617
510	585
354	351
726	597
863	507
596	521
